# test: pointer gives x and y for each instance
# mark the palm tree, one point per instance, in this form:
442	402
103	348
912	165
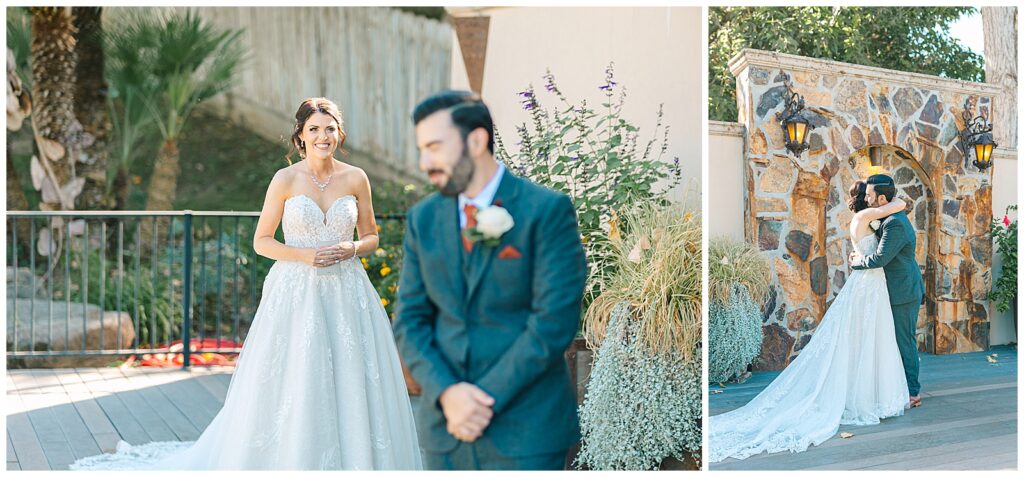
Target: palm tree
91	107
57	133
193	62
129	72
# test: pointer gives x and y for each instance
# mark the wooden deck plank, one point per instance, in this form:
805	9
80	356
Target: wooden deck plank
137	405
947	454
23	436
45	399
183	429
76	432
853	449
968	421
103	431
182	395
105	393
11	455
999	462
217	388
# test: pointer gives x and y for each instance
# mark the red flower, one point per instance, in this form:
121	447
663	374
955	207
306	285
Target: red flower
1006	220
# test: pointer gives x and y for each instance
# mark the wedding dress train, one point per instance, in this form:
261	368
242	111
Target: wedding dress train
849	373
318	384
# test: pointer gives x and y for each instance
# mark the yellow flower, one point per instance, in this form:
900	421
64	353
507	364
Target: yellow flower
380	252
384	301
391	288
688	216
410	187
613	224
366	265
378	228
385	270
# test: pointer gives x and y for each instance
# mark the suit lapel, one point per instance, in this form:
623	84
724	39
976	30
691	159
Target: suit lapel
482	255
448	223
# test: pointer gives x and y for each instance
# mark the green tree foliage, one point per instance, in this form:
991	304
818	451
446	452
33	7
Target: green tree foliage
899	38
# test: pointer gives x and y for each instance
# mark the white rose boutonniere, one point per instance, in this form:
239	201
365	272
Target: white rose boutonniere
875	224
491	223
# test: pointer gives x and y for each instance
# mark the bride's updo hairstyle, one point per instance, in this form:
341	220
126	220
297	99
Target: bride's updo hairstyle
858	192
306	109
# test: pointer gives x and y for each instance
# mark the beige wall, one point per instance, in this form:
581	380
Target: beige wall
726	188
657	54
1004	193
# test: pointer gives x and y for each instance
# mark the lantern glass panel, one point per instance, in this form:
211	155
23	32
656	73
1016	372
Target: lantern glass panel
801	130
983	152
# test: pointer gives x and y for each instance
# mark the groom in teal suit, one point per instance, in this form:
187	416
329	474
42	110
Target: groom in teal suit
489	300
896	256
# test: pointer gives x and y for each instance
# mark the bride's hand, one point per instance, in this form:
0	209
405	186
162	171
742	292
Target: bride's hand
347	250
323	256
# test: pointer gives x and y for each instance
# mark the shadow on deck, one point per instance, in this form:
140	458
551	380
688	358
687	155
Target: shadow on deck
56	416
968	420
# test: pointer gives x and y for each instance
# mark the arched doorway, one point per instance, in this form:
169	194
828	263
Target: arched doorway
912	186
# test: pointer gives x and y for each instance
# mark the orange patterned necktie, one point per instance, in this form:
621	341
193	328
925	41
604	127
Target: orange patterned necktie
470	211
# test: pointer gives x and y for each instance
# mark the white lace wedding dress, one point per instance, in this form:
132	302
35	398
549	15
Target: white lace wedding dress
318	384
849	373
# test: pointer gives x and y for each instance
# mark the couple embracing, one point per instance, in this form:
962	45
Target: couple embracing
861	364
489	299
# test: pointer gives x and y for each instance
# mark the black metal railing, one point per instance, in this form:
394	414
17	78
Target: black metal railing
142	281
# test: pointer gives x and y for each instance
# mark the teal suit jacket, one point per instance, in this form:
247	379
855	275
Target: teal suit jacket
502	324
896	255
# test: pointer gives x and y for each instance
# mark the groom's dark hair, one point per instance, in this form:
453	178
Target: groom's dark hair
884	185
467	109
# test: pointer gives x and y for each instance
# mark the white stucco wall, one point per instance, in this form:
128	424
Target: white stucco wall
1004	193
726	187
657	54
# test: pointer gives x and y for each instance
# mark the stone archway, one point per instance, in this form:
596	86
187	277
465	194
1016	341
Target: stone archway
904	122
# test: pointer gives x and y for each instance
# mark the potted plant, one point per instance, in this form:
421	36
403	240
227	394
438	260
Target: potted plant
738	280
643	404
598	159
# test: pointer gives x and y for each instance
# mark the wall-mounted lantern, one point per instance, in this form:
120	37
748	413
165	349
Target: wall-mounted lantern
795	122
977	136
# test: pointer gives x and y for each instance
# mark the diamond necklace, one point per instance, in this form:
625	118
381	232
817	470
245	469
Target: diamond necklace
319	185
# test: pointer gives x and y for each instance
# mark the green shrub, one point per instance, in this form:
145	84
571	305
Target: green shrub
734	335
641	406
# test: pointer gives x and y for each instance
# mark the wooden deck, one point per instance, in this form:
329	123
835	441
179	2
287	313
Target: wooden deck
55	416
968	421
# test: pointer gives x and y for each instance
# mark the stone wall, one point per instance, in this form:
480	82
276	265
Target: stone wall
869	120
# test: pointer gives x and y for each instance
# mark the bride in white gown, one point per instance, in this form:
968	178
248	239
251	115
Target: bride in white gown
318	384
849	373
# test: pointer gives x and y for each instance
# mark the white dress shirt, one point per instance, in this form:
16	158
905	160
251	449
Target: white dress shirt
484	198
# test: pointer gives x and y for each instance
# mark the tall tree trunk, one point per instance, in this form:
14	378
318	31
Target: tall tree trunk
91	107
1000	29
120	189
57	132
163	183
16	199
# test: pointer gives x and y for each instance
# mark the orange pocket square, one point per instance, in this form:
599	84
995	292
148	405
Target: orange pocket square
509	252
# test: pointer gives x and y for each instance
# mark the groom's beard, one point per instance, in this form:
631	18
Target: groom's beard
459	179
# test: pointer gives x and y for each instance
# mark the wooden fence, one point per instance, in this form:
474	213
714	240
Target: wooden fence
375	63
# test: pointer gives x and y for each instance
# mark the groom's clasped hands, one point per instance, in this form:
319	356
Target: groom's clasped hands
467	409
